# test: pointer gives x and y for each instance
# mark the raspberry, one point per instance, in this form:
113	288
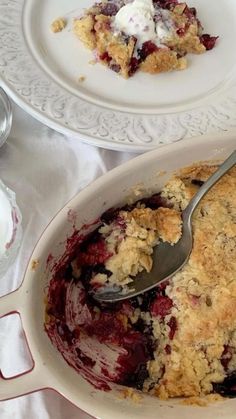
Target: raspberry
147	48
105	57
208	41
96	253
161	306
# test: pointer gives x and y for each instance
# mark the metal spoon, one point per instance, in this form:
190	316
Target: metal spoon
5	117
167	259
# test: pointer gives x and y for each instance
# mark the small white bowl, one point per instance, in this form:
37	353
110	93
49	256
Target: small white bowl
10	228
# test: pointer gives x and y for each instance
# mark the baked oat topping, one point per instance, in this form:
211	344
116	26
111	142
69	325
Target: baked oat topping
178	339
58	25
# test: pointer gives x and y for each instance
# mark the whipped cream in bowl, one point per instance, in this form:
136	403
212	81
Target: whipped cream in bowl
10	228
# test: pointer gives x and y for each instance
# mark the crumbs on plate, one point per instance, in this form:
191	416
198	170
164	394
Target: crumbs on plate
34	264
58	25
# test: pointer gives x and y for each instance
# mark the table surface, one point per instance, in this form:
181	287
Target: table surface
45	169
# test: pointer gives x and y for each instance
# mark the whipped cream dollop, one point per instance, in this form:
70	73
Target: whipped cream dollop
137	19
6	222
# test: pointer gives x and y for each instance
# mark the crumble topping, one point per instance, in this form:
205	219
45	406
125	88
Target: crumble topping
130	240
177	340
58	25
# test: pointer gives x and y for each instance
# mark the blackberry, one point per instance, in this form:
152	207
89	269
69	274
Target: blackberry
148	298
155	201
228	387
110	215
197	182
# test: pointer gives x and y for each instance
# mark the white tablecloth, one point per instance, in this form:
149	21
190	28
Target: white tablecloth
45	169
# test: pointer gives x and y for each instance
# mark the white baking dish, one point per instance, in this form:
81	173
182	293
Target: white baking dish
50	369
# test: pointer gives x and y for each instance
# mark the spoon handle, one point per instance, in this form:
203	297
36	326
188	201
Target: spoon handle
223	168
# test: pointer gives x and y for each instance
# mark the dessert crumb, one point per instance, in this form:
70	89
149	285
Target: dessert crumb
34	264
81	79
58	25
92	62
202	401
131	394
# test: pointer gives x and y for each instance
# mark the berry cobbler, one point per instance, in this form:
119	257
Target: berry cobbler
151	35
176	340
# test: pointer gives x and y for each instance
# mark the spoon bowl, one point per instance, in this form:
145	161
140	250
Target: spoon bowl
167	259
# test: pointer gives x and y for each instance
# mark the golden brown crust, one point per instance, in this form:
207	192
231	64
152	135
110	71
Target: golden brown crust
204	292
161	61
189	41
83	28
167	222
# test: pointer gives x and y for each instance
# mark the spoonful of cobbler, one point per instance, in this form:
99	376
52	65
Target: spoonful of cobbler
167	258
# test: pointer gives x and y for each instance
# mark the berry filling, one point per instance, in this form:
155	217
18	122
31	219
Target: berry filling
163	336
147	48
112	325
228	387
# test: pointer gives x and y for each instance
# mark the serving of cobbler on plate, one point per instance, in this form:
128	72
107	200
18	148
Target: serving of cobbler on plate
151	35
177	340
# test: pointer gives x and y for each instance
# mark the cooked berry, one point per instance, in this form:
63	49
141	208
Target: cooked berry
193	11
228	387
155	201
208	41
115	67
161	306
110	215
147	48
173	327
109	9
105	57
133	363
137	379
148	297
165	4
197	182
226	356
96	253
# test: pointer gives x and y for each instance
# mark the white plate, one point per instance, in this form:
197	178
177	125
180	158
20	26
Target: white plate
40	71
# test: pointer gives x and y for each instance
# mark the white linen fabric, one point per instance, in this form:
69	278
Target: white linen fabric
45	169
